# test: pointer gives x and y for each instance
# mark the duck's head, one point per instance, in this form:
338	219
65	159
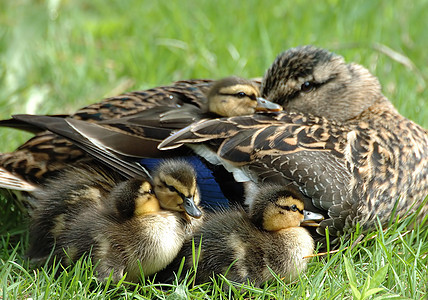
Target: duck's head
235	96
315	81
175	187
278	207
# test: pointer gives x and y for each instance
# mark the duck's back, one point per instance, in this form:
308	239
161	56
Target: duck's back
42	156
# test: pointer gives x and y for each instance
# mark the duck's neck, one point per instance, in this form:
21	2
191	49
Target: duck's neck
377	113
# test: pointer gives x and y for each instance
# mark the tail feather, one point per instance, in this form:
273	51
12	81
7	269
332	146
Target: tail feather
12	182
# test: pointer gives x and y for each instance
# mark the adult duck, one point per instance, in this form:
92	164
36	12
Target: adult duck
194	99
117	123
339	140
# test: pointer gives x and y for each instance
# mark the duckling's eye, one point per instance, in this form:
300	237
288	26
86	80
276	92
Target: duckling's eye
292	208
241	95
307	87
171	188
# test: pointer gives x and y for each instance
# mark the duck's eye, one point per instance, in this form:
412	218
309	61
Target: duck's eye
307	87
293	207
241	95
151	191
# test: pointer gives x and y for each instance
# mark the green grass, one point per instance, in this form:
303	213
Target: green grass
57	56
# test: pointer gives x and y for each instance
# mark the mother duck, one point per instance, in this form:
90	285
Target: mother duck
130	125
339	140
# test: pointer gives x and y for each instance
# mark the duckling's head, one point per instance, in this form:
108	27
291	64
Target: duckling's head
135	197
278	207
175	187
315	81
235	96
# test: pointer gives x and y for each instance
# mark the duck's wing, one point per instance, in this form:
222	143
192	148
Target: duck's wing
46	153
120	145
282	148
17	124
72	129
191	92
12	182
135	136
160	117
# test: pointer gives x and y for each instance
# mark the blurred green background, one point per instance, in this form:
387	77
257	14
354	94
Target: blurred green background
57	56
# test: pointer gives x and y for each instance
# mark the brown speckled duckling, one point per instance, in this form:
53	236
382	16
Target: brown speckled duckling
242	246
121	223
339	140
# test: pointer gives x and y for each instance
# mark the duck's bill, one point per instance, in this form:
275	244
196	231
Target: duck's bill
265	105
190	208
311	219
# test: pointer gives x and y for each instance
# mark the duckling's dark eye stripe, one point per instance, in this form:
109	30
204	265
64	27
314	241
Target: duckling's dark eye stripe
252	96
173	189
286	207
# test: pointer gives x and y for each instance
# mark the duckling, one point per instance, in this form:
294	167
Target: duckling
123	224
339	140
235	96
244	246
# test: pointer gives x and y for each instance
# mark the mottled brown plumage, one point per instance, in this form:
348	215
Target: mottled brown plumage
120	223
136	120
340	141
244	246
46	153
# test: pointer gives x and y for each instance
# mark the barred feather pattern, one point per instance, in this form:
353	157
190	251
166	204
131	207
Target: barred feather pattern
46	153
355	171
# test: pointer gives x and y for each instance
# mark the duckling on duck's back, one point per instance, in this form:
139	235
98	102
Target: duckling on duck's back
243	246
235	96
122	223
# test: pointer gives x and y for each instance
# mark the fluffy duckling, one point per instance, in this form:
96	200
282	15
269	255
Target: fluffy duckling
242	246
122	224
339	139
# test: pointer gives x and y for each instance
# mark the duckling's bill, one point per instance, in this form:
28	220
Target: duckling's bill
265	105
190	207
311	219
